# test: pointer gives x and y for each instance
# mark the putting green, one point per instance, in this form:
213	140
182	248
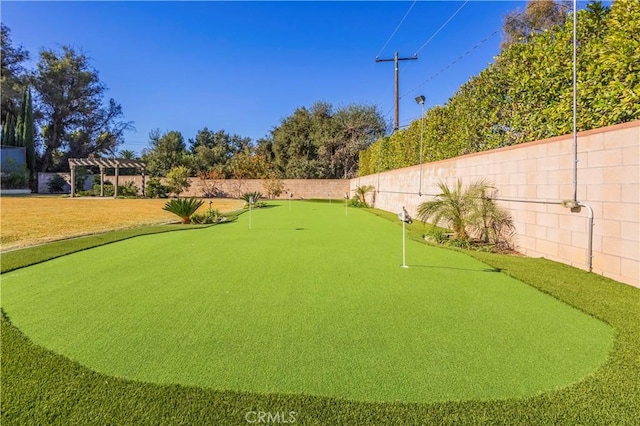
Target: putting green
310	300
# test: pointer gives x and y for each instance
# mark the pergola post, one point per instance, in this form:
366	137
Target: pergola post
104	164
73	181
115	189
102	181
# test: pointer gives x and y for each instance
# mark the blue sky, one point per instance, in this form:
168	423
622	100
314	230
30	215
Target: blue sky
244	66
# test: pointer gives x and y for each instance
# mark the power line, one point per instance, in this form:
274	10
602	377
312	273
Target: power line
397	28
468	52
440	29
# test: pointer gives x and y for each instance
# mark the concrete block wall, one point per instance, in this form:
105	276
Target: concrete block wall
233	188
532	179
300	188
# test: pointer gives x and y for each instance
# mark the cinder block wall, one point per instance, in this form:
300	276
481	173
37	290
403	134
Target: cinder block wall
300	188
535	177
233	188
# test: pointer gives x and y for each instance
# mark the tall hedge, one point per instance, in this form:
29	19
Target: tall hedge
526	94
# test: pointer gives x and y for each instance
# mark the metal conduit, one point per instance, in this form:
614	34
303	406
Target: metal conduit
547	202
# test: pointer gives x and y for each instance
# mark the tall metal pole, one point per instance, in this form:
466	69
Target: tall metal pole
395	60
421	99
575	101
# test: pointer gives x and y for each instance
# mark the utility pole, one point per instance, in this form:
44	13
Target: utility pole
395	61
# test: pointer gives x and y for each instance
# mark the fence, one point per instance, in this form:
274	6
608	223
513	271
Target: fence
532	179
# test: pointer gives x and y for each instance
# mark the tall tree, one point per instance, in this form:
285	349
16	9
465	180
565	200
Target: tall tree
127	154
74	120
353	129
165	152
322	143
25	132
214	150
13	74
538	16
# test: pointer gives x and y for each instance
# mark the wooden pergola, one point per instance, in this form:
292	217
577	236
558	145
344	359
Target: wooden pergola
113	163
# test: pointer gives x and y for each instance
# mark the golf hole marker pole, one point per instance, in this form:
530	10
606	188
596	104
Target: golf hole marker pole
290	197
250	205
346	198
404	242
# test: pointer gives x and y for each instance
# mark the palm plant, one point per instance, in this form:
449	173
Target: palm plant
361	193
456	207
183	207
251	198
491	223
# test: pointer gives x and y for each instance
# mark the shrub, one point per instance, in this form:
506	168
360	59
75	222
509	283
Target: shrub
252	198
470	212
155	188
210	216
95	190
274	187
128	189
183	207
438	235
81	175
15	179
361	195
56	184
178	180
357	202
210	181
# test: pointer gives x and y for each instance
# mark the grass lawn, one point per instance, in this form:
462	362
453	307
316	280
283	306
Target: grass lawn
310	312
29	220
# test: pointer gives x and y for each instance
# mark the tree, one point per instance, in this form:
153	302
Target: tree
210	182
247	165
353	128
9	131
538	16
322	143
178	180
74	123
214	150
24	133
128	154
165	152
295	145
273	186
13	75
456	206
361	194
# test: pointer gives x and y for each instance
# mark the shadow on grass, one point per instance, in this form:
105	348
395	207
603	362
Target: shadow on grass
454	268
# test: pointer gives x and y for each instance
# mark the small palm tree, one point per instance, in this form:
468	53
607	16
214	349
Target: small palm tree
183	207
251	198
361	193
456	207
127	154
492	223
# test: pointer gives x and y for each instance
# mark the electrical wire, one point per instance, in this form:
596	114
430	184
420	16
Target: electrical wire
397	28
467	53
440	29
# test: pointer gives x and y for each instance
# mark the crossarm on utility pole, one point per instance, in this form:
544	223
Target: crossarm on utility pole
396	60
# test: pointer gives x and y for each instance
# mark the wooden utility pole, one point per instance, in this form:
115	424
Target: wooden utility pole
395	61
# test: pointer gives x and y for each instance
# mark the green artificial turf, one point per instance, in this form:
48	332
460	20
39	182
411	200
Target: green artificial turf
309	301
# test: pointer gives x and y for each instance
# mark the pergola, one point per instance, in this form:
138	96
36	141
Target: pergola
114	163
